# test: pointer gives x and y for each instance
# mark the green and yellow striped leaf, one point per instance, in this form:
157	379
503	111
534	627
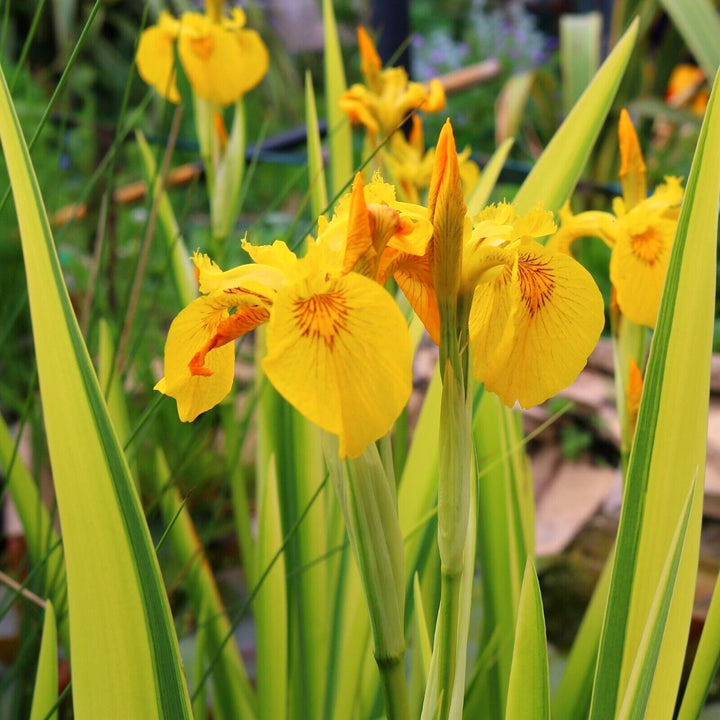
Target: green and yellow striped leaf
117	604
45	694
529	690
669	449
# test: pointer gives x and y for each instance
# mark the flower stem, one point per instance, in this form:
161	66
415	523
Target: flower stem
449	615
392	672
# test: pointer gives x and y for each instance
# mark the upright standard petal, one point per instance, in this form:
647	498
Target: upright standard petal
533	327
222	62
156	57
340	353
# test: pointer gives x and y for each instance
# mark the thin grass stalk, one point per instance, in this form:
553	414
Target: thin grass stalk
60	86
121	358
44	545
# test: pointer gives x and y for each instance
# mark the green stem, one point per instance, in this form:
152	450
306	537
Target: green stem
447	661
392	672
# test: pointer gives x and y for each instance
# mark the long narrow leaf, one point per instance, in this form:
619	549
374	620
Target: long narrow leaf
339	131
43	542
638	688
669	448
118	607
554	175
271	606
316	171
503	543
706	662
233	696
580	39
46	681
529	691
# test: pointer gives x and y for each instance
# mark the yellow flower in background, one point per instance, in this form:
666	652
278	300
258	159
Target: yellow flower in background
221	58
640	231
411	165
687	88
386	99
338	348
533	315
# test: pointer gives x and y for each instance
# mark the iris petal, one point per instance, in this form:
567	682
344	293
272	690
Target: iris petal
533	328
188	333
339	352
156	57
222	62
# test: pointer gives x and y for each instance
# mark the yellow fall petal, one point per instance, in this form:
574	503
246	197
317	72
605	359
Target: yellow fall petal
188	333
533	328
222	62
339	352
156	57
638	265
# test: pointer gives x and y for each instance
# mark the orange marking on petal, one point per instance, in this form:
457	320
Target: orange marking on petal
202	46
647	247
322	317
236	325
537	282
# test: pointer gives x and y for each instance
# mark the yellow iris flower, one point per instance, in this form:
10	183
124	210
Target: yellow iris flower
534	314
221	58
640	231
338	346
386	99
